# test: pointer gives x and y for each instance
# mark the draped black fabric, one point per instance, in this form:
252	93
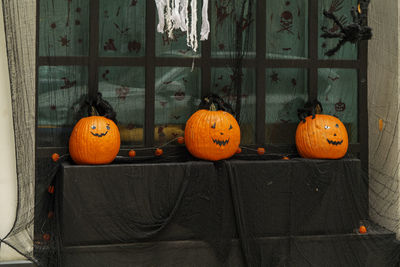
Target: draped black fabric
240	212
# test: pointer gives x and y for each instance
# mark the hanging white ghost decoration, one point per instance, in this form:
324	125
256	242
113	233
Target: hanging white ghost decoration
173	14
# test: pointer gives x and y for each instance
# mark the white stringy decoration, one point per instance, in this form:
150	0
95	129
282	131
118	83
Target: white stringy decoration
174	14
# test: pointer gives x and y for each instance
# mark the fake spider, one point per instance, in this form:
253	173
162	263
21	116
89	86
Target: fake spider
353	32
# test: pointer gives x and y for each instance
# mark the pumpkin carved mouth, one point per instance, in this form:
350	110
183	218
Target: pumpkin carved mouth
335	143
221	142
99	135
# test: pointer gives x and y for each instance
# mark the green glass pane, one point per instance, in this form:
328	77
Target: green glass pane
60	89
177	98
64	28
225	16
124	89
341	8
122	28
286	91
223	85
287	29
338	94
177	46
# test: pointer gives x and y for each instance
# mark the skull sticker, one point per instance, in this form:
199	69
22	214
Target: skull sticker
286	21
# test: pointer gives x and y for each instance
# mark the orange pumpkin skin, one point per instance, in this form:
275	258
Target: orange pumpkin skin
94	140
324	137
212	135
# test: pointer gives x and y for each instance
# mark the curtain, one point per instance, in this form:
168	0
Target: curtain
20	27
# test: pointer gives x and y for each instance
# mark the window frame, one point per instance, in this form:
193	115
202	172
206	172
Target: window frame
260	63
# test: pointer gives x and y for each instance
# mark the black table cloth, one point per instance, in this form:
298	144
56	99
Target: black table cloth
242	212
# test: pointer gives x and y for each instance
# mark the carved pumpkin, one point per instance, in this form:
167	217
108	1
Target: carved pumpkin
94	140
323	137
212	135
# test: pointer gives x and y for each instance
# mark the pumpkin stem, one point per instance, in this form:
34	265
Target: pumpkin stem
94	112
213	107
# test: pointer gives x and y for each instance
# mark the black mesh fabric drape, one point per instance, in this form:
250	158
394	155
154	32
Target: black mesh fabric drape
19	21
246	211
276	209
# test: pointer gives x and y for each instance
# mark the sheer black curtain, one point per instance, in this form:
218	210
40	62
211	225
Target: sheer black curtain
20	27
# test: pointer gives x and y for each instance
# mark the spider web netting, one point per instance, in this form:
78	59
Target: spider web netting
176	210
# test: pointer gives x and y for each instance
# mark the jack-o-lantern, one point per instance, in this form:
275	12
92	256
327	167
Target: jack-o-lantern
322	137
212	135
94	140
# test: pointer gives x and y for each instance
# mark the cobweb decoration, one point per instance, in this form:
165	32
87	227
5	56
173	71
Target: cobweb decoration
182	14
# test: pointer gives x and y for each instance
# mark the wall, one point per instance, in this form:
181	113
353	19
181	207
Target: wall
8	176
383	103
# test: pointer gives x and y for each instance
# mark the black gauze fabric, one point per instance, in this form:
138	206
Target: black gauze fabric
240	212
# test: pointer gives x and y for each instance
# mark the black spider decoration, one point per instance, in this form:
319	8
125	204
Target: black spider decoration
353	32
310	109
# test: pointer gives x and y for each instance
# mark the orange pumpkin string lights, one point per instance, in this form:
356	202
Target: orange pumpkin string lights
181	140
362	229
55	157
260	151
132	153
51	189
322	137
50	214
158	152
46	237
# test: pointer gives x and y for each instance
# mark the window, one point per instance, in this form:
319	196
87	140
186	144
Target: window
155	83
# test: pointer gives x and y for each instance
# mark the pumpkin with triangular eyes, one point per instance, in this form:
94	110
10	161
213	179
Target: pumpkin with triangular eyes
212	135
321	137
94	140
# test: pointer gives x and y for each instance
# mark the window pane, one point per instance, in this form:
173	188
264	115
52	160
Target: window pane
222	84
124	89
337	92
287	29
342	10
285	93
224	18
122	28
177	47
64	27
177	98
59	93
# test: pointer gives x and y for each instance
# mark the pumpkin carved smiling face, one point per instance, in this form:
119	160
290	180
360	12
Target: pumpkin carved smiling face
93	127
212	135
94	140
323	137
